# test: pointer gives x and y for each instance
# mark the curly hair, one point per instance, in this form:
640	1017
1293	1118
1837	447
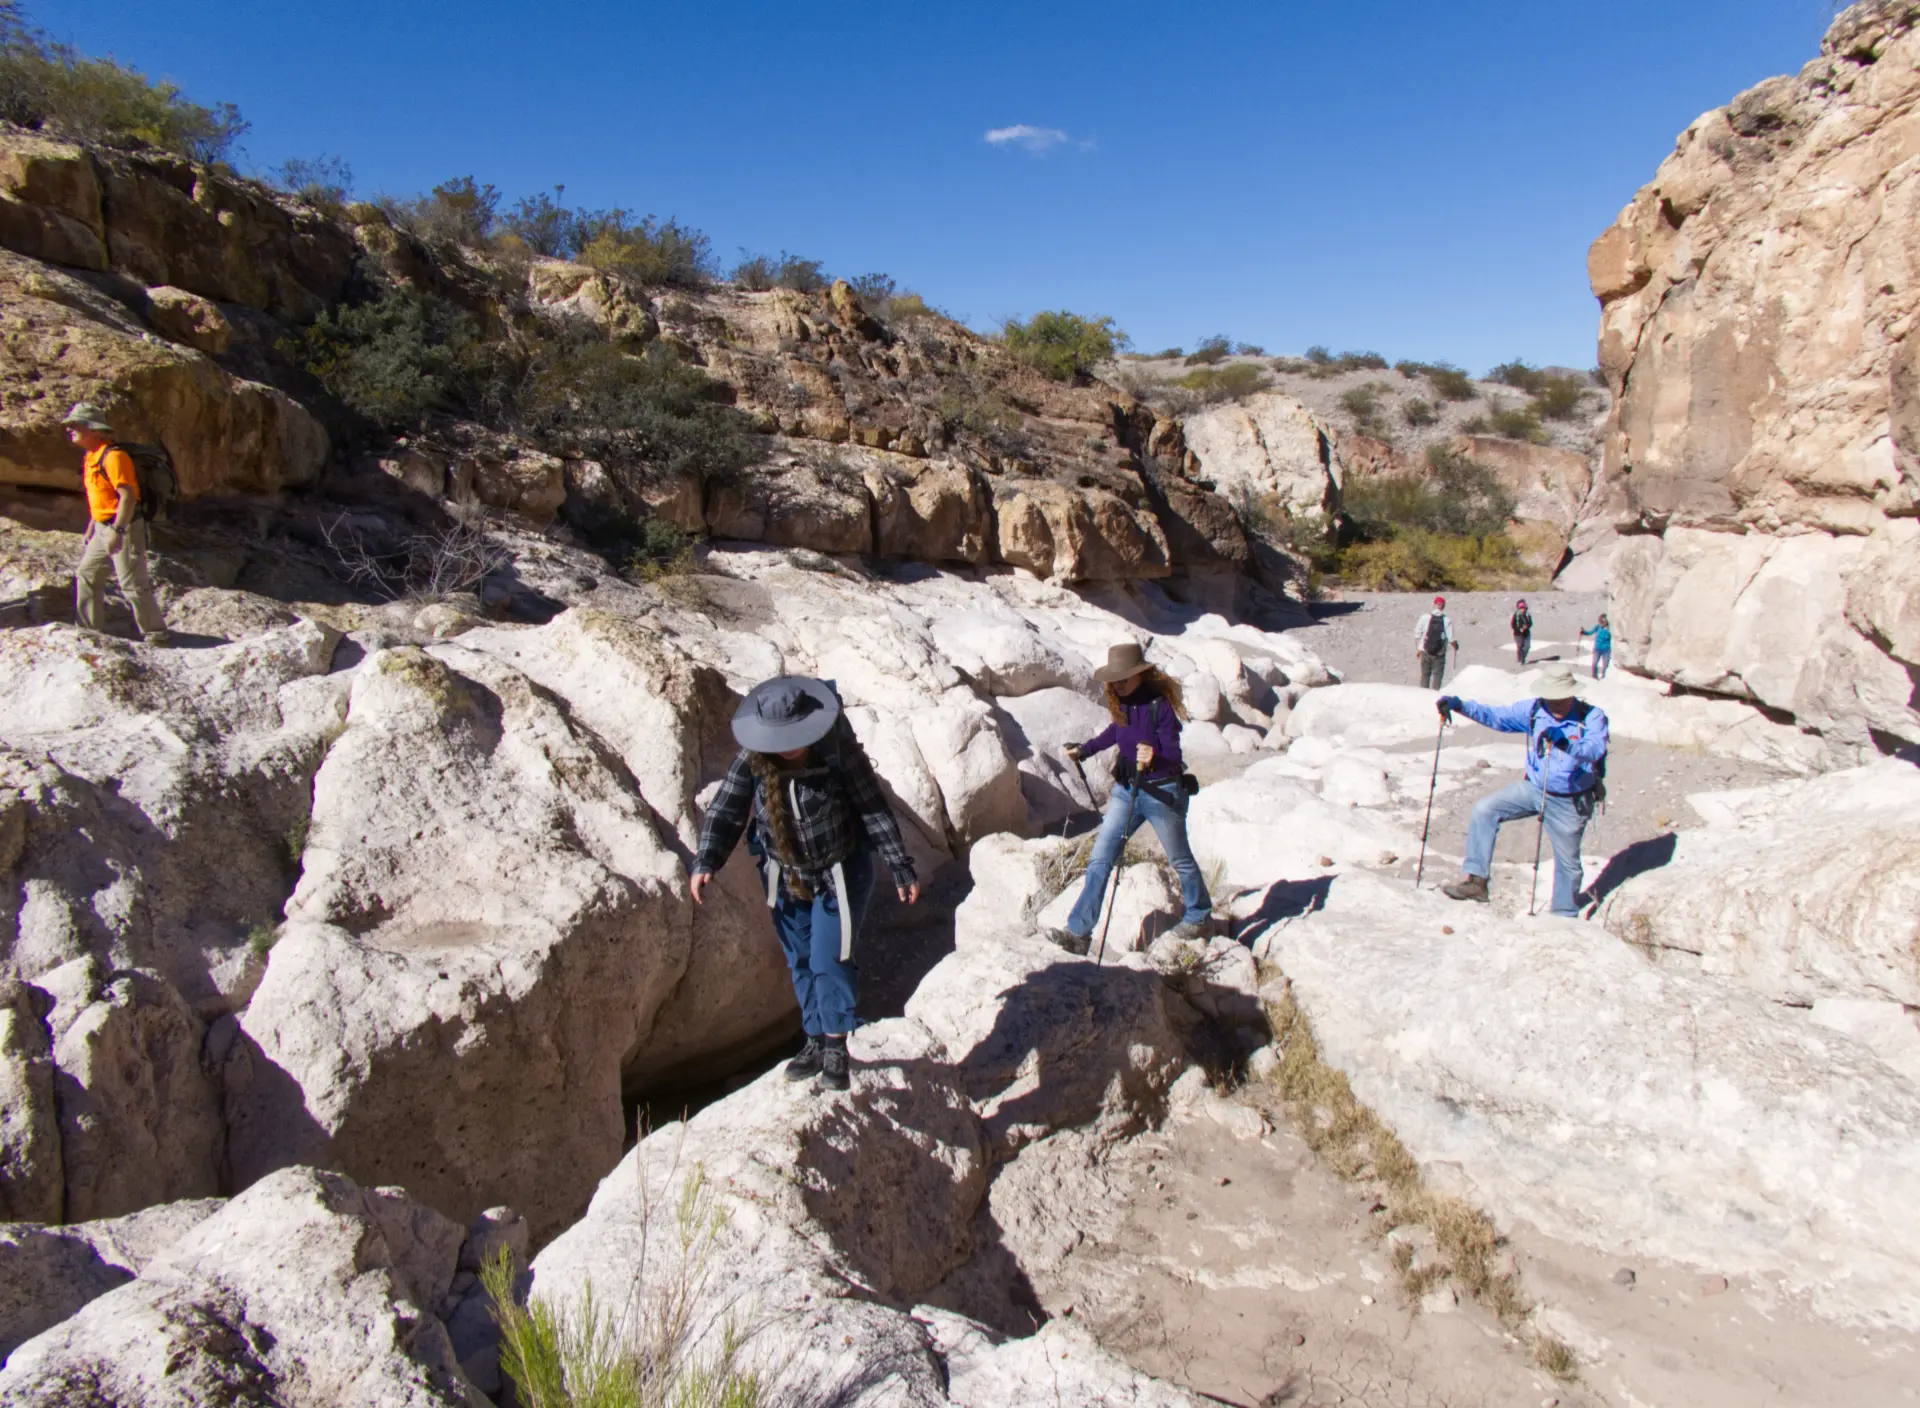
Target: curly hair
1154	681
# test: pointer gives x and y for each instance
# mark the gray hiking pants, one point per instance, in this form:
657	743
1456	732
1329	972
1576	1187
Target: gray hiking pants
1433	669
129	565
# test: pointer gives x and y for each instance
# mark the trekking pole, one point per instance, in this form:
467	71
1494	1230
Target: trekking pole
1432	782
1113	893
1534	892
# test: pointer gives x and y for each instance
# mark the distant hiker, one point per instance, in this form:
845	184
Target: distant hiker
1149	786
817	815
1432	634
1602	646
1566	771
1522	631
116	533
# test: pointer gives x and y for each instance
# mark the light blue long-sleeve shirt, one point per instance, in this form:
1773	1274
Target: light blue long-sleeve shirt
1560	772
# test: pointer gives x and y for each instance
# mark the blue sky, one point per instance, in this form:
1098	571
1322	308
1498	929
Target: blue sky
1417	178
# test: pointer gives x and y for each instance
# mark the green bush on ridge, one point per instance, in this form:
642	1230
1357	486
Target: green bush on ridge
52	86
1063	345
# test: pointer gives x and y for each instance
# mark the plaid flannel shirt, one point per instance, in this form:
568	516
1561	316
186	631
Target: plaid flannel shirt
827	801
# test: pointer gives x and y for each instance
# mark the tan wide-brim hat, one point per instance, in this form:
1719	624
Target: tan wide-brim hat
88	416
1123	663
1556	682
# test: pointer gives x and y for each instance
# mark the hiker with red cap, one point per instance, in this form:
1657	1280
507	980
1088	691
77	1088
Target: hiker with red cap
1522	631
804	792
1432	634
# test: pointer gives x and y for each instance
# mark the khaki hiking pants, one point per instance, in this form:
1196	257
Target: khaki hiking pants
129	565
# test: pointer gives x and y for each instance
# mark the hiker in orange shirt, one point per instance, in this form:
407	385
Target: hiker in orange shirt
116	534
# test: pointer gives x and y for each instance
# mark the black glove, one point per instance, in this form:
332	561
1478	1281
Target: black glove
1447	704
1554	738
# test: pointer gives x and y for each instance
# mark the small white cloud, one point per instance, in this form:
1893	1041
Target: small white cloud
1028	137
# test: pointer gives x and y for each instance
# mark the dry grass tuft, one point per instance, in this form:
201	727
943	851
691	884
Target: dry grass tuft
1338	1127
1554	1356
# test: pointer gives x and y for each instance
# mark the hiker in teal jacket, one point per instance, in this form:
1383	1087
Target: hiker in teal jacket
1602	646
1567	742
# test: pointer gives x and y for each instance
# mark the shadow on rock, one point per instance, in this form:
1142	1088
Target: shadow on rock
1636	859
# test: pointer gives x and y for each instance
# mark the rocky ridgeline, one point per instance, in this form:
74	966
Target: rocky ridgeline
1757	299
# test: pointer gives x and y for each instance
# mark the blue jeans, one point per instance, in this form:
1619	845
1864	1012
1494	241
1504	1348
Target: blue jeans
809	934
1566	823
1602	662
1169	821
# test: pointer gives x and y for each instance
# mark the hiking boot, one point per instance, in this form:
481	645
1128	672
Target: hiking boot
833	1065
1467	887
1185	930
807	1064
1075	944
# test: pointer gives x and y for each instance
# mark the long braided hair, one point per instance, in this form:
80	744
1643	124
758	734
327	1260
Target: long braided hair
1153	681
768	774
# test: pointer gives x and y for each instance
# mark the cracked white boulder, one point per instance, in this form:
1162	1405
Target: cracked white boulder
485	930
1801	891
819	1274
304	1289
186	771
1557	1077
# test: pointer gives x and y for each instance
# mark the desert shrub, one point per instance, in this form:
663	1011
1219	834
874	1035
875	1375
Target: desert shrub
1450	383
1361	361
1064	345
907	307
390	359
1287	365
1411	369
1415	560
1517	374
1211	351
645	249
425	567
1318	356
45	84
1249	349
322	181
1230	383
459	211
1363	404
1165	354
1419	412
1456	495
543	225
1509	422
758	272
578	395
1559	397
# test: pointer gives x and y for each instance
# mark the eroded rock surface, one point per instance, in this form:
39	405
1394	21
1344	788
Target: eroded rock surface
1757	301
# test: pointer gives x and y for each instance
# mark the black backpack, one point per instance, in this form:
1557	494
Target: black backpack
153	471
1436	632
1578	713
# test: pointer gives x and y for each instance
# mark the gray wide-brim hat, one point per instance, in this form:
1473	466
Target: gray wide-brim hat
790	711
86	414
1556	682
1123	663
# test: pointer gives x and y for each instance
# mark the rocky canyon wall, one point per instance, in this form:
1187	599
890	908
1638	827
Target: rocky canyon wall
1763	450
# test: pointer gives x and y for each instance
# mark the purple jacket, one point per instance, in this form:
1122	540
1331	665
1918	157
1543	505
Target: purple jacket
1139	729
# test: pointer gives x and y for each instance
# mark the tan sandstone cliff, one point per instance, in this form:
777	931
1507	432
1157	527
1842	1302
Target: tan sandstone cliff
1763	451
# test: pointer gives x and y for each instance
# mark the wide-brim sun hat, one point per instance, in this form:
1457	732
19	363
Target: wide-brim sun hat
88	415
1556	682
1123	663
784	713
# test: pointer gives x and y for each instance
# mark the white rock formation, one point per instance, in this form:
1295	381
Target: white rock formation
49	1273
1567	1082
1003	1045
1267	445
304	1289
1803	891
